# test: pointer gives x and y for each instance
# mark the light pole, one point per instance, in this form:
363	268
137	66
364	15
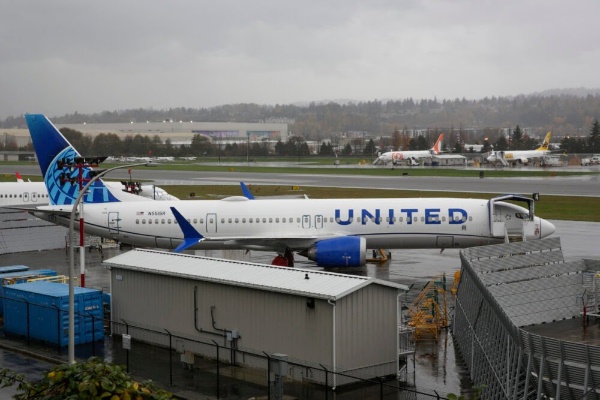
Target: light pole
72	256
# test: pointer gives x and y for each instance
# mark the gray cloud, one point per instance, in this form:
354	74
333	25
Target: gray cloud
64	56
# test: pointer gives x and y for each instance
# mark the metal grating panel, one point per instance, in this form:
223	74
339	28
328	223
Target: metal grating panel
506	287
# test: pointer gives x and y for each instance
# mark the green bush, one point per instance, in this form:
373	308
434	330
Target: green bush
93	379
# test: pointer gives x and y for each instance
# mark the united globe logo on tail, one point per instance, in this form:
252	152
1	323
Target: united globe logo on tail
62	181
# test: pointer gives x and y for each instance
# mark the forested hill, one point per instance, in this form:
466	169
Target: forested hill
560	112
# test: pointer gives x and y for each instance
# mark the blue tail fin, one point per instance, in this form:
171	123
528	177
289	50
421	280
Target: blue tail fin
55	154
247	193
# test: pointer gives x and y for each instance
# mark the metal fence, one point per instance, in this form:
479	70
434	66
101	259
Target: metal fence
185	365
507	290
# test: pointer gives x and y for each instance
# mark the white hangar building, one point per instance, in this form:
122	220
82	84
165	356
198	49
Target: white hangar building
347	323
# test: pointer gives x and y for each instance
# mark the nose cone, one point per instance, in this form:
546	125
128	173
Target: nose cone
547	228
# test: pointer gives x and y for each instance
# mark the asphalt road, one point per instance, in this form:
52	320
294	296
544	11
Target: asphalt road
583	185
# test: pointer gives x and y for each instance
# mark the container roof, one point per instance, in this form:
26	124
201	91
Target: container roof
298	281
52	289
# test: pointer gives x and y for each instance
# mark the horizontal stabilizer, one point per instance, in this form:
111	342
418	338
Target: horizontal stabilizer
190	235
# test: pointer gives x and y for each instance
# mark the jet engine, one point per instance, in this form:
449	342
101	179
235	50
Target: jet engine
348	251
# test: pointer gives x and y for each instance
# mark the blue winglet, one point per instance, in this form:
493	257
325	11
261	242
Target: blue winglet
247	193
190	235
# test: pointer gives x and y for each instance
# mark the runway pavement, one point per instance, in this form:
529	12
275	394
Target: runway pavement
580	185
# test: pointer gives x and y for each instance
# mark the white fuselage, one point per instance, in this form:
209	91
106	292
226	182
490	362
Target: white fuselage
296	223
522	156
23	193
399	157
35	193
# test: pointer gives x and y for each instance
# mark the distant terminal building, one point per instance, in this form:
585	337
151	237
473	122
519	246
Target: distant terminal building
179	132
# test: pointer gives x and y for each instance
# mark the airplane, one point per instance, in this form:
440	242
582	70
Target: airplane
521	156
23	193
409	157
19	177
330	232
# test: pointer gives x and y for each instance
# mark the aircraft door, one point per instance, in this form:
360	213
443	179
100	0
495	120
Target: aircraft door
306	221
114	222
318	221
211	223
26	197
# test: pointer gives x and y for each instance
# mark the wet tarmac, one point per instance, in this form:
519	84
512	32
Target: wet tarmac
436	367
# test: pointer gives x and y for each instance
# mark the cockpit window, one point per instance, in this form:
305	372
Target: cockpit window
520	215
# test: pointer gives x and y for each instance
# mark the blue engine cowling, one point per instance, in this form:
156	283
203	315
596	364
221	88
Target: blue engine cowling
348	251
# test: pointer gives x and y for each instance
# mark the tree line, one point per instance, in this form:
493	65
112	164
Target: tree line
154	146
563	113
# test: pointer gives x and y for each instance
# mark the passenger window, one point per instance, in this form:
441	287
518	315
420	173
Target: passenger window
150	221
144	221
250	220
137	221
243	220
195	221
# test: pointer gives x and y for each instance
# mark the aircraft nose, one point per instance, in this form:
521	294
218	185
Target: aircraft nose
547	228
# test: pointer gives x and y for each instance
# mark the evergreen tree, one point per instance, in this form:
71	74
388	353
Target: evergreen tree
516	142
347	150
594	139
369	148
501	144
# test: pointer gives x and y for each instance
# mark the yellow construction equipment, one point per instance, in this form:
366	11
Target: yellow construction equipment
429	312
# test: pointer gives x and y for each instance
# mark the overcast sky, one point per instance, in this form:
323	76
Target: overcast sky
58	57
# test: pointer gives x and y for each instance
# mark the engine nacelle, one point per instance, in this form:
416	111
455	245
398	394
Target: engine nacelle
523	160
348	251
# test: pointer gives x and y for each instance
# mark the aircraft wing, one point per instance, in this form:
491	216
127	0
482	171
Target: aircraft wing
272	242
34	209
